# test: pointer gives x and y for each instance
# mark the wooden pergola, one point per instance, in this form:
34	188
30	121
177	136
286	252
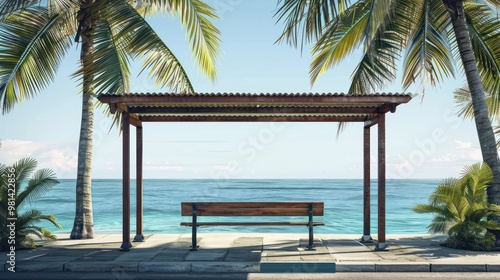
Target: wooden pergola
369	109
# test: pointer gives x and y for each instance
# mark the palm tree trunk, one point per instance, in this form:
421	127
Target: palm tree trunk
83	225
481	116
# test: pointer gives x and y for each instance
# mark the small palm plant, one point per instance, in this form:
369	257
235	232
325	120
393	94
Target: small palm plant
39	183
461	209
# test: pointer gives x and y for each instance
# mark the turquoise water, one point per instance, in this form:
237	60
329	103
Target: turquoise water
343	203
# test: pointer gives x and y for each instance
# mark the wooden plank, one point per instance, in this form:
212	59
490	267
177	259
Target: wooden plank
257	204
254	110
189	224
253	208
255	118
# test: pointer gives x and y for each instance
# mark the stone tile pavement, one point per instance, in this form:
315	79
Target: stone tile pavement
250	253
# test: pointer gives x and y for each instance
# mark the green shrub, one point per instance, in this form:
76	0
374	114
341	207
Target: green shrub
39	183
461	209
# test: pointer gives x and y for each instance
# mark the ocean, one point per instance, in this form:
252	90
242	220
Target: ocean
162	197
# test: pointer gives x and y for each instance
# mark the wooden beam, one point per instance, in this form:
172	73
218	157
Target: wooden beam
366	185
112	108
371	122
251	110
133	118
139	235
381	245
135	121
288	118
387	107
126	245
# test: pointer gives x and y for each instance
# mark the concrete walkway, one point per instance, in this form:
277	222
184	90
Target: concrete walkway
252	253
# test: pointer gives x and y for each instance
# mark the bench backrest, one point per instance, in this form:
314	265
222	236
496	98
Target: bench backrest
252	208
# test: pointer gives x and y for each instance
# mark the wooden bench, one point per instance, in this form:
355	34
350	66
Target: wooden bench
195	209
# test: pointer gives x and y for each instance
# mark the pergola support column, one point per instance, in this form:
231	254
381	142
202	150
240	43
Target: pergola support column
126	245
381	245
139	236
366	185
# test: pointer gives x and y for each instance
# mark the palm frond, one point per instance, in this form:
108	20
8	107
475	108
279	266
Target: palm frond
32	216
484	30
110	65
203	37
27	64
378	65
306	19
426	208
463	104
429	53
340	38
490	224
23	169
439	224
10	6
141	42
62	6
480	176
40	183
381	10
493	3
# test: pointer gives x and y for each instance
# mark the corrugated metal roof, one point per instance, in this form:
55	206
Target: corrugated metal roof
253	94
218	107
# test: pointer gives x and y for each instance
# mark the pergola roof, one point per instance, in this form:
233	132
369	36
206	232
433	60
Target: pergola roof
247	107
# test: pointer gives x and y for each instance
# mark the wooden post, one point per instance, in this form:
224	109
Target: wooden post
126	245
366	185
139	236
381	245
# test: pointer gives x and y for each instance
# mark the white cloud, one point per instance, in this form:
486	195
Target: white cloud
12	150
58	156
462	145
59	160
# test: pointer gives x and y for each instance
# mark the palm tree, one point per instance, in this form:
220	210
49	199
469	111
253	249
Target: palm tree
38	184
460	207
35	36
432	35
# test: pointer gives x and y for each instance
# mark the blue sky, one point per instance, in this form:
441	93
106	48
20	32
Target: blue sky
425	139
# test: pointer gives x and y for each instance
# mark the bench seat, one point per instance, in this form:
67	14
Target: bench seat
190	224
255	209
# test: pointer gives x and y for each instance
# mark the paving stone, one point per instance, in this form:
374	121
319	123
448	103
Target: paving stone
355	267
135	256
104	255
159	241
493	267
344	250
182	243
101	266
402	267
164	267
319	254
216	241
170	255
458	267
245	249
297	267
207	255
225	267
39	266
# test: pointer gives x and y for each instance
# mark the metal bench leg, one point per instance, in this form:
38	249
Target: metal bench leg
311	227
194	245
